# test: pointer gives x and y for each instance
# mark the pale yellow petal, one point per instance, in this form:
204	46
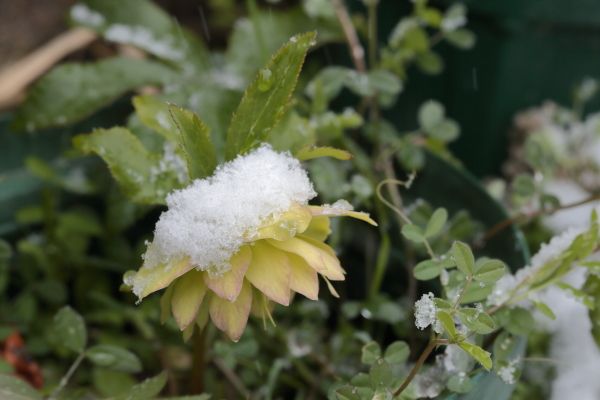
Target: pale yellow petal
318	229
165	304
232	317
318	255
303	278
202	317
286	225
339	212
188	292
148	280
228	285
269	272
188	332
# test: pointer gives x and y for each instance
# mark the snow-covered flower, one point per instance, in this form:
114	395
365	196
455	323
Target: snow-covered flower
426	313
232	243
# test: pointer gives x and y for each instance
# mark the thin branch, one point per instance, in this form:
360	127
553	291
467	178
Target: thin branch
415	369
67	377
16	77
500	226
357	52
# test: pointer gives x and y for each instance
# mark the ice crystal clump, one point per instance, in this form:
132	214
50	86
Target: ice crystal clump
426	313
211	218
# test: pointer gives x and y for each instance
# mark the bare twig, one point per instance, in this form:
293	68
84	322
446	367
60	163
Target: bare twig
16	77
500	226
357	52
433	343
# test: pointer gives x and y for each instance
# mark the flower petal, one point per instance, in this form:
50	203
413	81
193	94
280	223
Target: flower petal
303	278
229	284
338	212
165	304
150	279
269	272
318	255
318	229
285	225
188	292
232	317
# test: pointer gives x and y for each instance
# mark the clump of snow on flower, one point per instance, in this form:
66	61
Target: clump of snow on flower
426	313
549	251
211	218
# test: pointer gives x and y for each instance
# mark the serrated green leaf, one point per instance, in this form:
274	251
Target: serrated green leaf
14	388
413	233
370	353
114	357
130	163
396	353
69	326
436	222
71	92
154	113
489	271
309	153
479	354
264	103
194	139
146	390
463	257
426	270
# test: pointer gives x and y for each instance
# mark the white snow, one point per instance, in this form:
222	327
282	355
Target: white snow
426	313
211	218
144	39
84	15
569	192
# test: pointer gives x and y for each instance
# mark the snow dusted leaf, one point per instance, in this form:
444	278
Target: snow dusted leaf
137	170
267	98
194	140
71	92
142	24
592	288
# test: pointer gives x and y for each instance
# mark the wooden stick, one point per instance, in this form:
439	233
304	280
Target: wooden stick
15	78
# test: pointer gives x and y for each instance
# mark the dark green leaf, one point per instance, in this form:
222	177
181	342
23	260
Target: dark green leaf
370	353
14	388
397	353
194	139
145	390
142	24
72	92
381	374
69	326
114	357
477	320
592	288
447	322
261	107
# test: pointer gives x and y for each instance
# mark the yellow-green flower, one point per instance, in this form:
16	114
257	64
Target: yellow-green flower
269	261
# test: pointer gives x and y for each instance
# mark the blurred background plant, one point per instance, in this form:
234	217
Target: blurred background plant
71	231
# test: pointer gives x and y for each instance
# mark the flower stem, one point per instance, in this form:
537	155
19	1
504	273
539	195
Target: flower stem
65	379
433	343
